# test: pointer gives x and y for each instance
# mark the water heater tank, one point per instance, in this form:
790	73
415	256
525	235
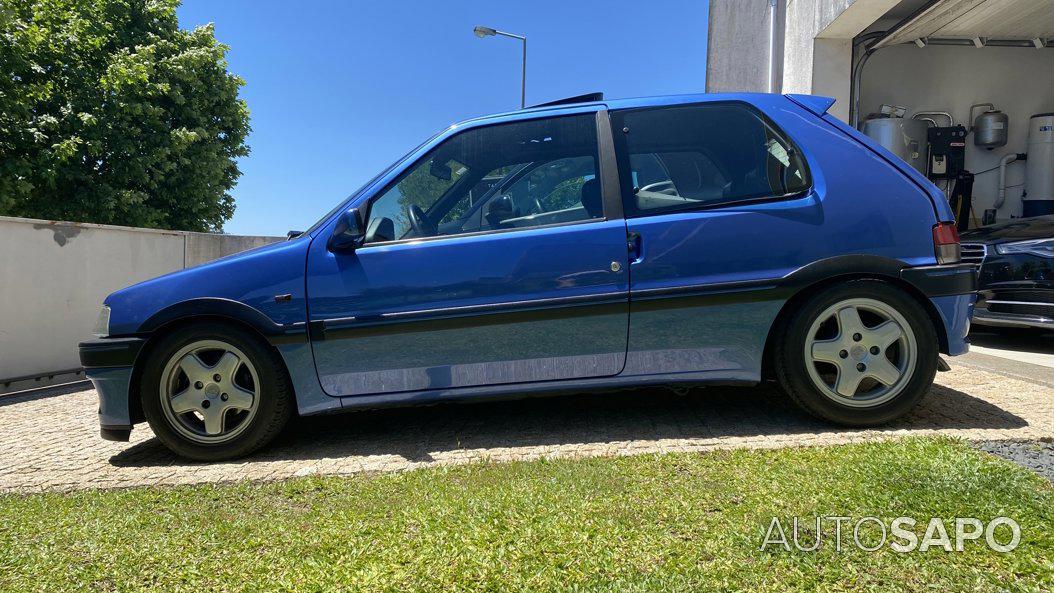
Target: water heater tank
990	128
1039	168
905	138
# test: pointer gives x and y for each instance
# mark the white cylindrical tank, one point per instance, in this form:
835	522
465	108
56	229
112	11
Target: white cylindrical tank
1039	169
905	138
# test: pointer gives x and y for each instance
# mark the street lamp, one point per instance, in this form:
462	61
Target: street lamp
482	32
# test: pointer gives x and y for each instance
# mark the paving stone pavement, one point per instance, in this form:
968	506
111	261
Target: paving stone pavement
51	442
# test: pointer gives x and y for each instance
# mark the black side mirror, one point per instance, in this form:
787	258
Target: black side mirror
441	170
348	233
500	208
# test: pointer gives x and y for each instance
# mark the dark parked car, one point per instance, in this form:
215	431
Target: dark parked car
1016	276
688	240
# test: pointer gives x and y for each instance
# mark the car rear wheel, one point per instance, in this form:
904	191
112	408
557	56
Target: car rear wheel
213	391
860	353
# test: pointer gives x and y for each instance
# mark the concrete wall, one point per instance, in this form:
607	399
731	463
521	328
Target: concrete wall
54	276
813	46
942	78
737	55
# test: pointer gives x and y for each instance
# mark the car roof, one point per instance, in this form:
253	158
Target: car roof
611	104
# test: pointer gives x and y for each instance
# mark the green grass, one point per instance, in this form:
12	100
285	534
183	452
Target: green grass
674	522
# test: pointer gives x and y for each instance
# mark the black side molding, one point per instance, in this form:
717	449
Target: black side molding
944	280
110	352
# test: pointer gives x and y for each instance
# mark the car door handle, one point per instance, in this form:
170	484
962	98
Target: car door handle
635	245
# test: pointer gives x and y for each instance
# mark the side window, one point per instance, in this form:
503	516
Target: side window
684	157
505	176
549	192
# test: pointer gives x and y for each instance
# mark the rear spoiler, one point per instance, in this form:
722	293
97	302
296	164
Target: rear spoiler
814	103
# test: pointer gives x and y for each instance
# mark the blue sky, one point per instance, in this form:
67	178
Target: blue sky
338	90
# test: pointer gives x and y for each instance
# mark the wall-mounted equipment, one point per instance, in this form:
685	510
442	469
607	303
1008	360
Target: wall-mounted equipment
990	127
947	154
1039	169
905	138
961	199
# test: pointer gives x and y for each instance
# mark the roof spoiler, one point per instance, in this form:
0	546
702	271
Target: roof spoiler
816	104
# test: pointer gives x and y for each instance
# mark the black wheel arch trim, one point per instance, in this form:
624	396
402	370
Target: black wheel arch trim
930	280
275	333
925	282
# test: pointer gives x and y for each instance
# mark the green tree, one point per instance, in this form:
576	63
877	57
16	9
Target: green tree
110	113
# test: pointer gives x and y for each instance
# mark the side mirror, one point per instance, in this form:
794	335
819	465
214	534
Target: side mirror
500	208
348	233
441	170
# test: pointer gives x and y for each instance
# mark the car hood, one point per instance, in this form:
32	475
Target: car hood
1021	229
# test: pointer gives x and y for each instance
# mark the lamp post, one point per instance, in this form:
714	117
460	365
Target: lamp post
482	32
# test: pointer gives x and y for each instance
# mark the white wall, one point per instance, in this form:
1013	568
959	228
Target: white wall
813	45
54	276
737	54
1020	81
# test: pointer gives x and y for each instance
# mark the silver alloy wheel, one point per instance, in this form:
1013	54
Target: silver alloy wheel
210	391
860	352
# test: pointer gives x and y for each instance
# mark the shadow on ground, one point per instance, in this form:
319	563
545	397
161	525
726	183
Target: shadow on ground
1028	340
637	415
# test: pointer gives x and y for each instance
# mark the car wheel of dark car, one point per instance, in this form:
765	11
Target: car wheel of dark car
860	353
212	391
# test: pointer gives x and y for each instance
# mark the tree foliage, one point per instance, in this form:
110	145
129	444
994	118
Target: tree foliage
110	113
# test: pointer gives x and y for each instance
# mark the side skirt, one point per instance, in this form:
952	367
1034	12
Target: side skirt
543	389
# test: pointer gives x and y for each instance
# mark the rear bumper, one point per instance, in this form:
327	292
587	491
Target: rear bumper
108	363
953	291
945	280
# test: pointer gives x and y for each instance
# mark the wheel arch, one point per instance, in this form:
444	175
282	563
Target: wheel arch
817	277
214	310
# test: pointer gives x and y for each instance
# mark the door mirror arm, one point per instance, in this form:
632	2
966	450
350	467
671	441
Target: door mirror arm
348	234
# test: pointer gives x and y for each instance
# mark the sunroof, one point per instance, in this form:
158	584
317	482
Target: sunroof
586	98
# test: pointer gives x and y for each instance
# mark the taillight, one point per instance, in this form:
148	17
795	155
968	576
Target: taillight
946	243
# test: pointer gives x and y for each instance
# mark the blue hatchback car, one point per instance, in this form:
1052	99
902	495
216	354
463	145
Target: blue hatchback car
579	245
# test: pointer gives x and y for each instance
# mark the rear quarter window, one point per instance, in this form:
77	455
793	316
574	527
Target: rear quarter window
701	156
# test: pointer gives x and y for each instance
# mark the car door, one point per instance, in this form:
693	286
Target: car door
719	206
430	302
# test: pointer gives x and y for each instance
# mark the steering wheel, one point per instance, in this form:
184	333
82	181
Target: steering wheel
419	222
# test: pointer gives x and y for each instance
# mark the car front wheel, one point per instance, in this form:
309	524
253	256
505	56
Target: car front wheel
213	391
861	353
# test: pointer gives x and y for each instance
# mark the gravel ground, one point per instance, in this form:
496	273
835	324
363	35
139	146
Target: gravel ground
1037	455
51	442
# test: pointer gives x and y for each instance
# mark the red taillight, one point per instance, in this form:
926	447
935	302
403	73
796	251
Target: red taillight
946	243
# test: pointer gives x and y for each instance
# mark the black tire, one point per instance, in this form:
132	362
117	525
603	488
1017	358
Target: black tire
276	402
789	358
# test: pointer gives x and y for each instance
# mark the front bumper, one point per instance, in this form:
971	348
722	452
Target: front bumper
982	316
108	362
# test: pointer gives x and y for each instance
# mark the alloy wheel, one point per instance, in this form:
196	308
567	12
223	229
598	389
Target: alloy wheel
860	352
210	391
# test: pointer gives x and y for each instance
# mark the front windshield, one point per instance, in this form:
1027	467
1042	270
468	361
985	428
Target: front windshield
344	203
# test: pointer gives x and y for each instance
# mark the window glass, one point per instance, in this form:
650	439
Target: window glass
547	192
693	156
514	175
